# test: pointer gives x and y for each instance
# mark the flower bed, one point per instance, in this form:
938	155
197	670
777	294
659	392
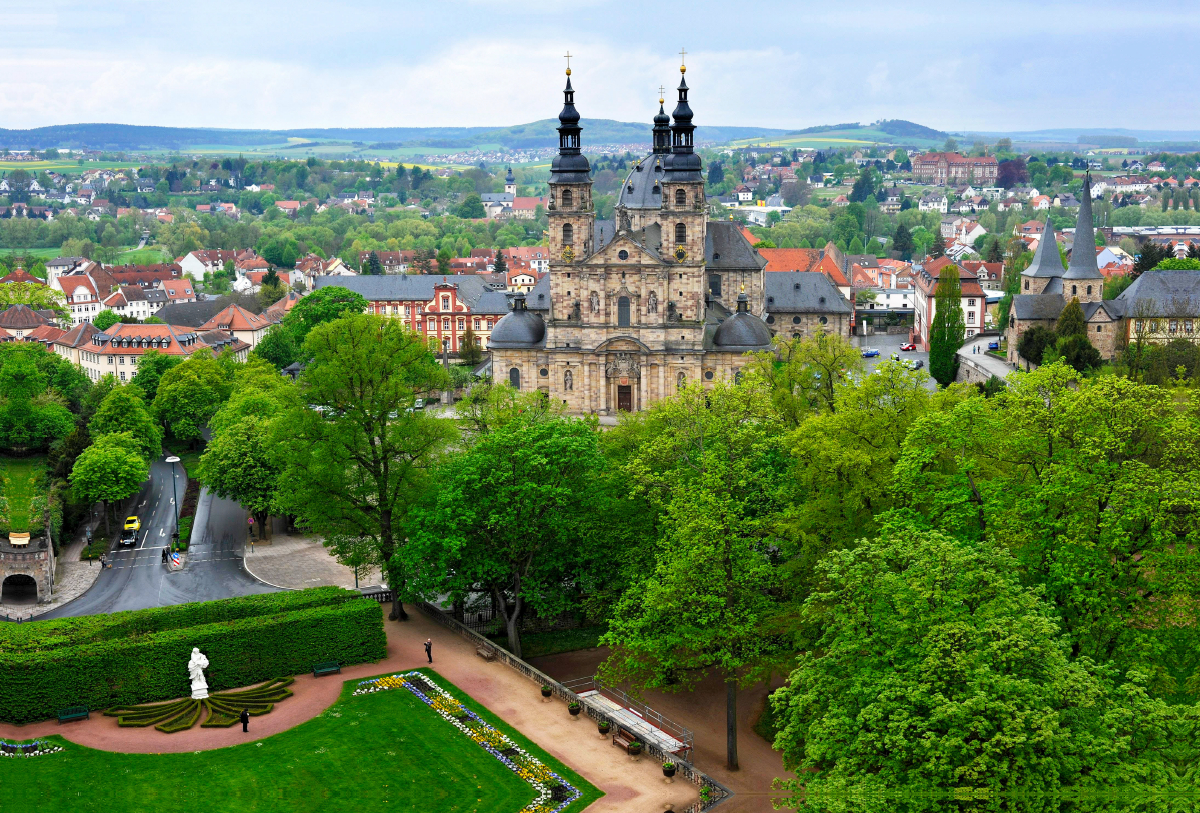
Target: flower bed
28	749
553	792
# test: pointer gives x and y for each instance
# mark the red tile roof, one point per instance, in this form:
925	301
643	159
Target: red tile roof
21	275
790	259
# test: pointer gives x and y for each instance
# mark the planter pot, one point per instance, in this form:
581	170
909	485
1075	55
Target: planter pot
604	728
669	772
574	710
634	750
547	691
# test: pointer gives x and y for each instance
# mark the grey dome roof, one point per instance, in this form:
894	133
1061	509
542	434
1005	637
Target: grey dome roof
743	331
519	328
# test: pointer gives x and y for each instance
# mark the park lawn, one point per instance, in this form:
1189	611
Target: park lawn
142	256
20	475
383	751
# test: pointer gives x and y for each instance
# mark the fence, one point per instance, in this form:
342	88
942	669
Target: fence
712	792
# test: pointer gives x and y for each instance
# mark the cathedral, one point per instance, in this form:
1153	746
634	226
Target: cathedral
636	307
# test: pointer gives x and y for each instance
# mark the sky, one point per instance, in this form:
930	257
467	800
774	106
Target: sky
961	65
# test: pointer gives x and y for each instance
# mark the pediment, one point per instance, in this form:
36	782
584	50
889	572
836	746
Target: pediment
636	254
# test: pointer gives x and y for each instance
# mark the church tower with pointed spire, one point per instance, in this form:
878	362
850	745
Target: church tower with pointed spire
569	208
1083	278
683	206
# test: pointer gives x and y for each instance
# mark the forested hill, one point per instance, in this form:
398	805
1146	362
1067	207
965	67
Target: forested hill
532	135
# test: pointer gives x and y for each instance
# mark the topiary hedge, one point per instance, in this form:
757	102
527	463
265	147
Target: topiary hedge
153	667
64	632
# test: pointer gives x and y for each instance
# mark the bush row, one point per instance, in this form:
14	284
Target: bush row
68	632
148	668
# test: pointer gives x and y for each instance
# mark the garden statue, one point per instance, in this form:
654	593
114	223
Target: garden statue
196	668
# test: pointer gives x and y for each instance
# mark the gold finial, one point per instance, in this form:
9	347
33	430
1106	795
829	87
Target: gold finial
568	58
682	61
661	94
743	288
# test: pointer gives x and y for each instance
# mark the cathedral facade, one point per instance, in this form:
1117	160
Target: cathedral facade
634	308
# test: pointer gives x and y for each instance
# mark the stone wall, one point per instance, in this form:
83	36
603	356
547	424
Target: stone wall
35	559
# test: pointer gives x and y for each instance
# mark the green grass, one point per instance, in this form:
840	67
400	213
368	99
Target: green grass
20	475
537	644
385	751
41	253
143	256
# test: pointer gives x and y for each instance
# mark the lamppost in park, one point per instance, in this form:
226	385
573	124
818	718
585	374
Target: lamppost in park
173	459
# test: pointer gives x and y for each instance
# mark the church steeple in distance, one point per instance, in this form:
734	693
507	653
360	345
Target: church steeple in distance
662	128
1083	251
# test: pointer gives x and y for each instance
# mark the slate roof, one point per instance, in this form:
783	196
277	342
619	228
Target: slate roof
1037	306
191	314
1083	263
538	298
1046	262
521	328
1165	292
726	247
803	292
643	185
472	289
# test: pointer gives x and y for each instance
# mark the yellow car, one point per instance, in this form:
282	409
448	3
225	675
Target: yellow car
133	524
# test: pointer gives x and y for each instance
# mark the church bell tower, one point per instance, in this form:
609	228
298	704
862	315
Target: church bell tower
570	209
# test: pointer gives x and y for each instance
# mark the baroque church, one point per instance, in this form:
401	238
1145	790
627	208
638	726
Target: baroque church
636	307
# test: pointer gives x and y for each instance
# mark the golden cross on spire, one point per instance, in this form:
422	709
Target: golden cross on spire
568	58
661	91
682	61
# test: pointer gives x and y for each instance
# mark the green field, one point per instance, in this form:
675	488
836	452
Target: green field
384	751
143	256
65	165
41	253
20	476
864	137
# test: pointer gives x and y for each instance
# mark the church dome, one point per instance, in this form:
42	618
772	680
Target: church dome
520	328
743	331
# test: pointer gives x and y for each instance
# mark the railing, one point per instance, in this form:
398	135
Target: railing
712	792
654	718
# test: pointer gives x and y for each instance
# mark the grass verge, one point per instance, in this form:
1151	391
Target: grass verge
385	751
19	476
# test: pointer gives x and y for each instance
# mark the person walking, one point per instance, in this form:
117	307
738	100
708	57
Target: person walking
164	556
429	649
245	718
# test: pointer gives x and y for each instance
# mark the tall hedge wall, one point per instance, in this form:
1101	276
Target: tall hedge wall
147	668
44	636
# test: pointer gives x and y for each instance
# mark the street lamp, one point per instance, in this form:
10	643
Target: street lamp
173	459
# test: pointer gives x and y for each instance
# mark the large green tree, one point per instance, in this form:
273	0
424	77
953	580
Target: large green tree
949	328
32	413
123	410
110	470
191	393
151	368
356	456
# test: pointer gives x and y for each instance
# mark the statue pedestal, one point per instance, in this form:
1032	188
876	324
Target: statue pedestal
200	694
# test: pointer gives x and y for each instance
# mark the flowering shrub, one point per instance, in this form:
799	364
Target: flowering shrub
28	749
553	792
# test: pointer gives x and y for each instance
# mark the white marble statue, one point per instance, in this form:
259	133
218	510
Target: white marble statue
196	667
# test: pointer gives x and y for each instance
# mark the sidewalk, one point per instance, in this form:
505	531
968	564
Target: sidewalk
296	562
991	364
628	785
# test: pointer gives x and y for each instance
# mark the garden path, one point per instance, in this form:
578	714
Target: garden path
627	784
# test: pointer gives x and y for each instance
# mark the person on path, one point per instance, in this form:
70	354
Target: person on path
164	556
245	718
429	649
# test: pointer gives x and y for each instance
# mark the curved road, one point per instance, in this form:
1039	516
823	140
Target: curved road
138	578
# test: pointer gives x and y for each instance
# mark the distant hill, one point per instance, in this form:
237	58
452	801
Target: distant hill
907	129
129	137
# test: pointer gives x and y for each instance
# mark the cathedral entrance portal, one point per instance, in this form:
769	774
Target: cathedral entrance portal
624	398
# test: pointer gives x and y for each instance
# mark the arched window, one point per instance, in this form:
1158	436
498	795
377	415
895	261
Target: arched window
1074	290
567	199
568	234
1026	285
568	381
680	233
623	312
514	378
1089	290
680	197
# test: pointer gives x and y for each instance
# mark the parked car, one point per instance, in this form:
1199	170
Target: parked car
895	357
133	524
918	364
908	346
993	345
870	352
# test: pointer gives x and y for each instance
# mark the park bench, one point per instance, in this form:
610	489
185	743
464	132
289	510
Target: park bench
326	669
622	739
74	713
486	652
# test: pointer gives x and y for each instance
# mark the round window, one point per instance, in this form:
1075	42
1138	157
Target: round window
823	320
708	374
795	335
795	320
622	255
770	320
543	372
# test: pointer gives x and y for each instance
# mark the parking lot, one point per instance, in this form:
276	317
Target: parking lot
886	345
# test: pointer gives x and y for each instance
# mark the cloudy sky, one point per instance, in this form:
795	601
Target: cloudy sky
393	63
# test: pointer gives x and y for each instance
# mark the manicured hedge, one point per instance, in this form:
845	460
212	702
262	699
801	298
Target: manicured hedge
148	668
67	632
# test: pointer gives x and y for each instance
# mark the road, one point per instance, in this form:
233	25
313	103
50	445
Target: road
886	345
138	578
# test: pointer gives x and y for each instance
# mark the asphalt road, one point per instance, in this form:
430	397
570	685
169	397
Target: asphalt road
886	345
138	578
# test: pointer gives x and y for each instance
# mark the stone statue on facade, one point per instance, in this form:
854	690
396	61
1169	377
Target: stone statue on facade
196	667
652	303
624	221
594	302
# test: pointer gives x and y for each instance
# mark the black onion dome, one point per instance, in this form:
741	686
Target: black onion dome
570	165
662	131
743	331
519	328
683	165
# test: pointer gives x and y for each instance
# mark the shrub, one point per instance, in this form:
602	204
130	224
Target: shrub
146	668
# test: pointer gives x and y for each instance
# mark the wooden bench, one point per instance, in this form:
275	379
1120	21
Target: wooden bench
327	669
487	653
74	713
623	739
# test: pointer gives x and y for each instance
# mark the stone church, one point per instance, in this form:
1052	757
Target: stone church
640	305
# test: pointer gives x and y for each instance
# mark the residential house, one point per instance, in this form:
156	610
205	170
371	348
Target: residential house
931	202
20	320
197	263
240	323
117	350
927	278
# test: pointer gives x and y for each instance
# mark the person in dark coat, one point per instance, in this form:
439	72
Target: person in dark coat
164	558
429	649
245	718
